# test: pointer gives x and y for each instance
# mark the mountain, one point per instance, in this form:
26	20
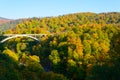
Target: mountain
4	20
9	24
83	46
64	23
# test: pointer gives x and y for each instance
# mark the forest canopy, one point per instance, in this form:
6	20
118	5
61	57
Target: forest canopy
84	46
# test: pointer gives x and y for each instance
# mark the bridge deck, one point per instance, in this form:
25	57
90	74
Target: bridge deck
25	34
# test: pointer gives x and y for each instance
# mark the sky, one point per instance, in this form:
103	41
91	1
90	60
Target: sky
14	9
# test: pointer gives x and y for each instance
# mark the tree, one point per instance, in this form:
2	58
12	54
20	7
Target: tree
54	57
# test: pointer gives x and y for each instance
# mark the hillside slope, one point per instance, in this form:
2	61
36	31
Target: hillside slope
4	20
66	22
86	46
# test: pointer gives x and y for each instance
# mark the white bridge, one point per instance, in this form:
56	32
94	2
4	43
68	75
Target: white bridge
32	36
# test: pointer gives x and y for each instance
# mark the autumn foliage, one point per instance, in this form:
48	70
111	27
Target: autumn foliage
83	46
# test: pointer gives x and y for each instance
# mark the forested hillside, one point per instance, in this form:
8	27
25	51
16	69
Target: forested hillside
4	20
10	24
84	46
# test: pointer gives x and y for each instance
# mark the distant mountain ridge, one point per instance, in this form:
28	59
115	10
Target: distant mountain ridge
9	23
4	20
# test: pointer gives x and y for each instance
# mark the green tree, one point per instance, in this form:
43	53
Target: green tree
54	57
